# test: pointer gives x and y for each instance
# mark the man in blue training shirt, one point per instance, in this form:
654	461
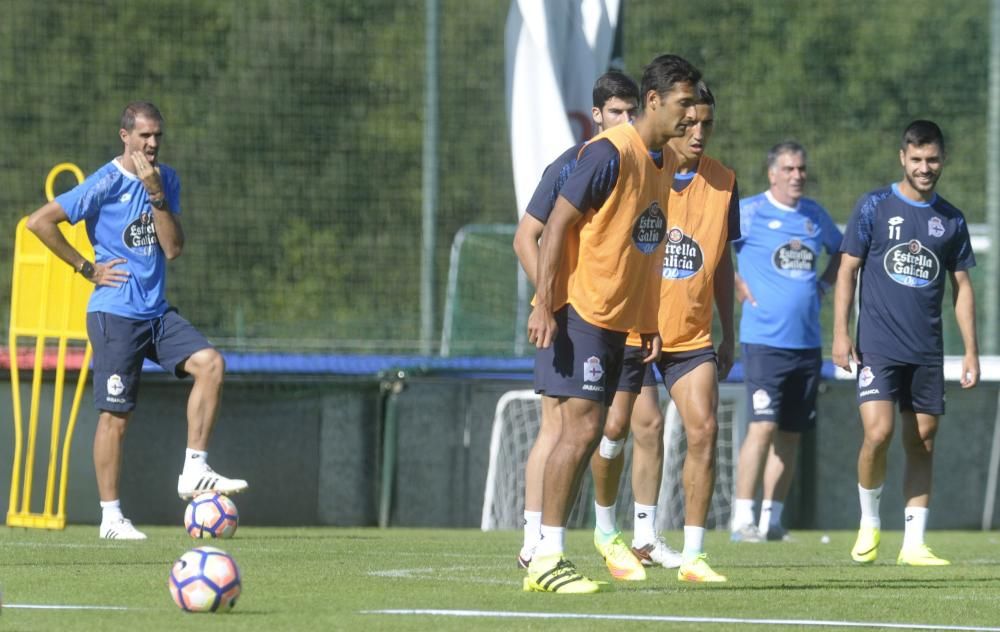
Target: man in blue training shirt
131	207
783	234
902	238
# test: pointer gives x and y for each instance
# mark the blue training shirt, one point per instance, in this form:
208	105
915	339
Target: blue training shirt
777	254
119	219
905	248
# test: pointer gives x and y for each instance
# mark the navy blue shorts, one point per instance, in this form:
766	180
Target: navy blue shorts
782	385
915	387
674	365
635	375
583	361
120	346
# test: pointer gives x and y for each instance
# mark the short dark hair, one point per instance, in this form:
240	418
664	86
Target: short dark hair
664	72
704	94
921	132
614	84
785	147
136	109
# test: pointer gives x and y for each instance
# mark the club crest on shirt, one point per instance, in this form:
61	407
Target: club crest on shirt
794	259
911	264
935	228
592	369
682	257
649	229
810	227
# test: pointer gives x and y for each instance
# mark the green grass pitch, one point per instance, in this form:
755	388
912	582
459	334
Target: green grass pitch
349	579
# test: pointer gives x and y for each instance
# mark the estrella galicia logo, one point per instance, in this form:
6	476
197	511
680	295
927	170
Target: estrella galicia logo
140	235
794	259
649	229
911	264
683	257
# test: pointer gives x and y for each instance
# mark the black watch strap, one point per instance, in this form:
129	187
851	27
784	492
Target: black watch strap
86	270
159	204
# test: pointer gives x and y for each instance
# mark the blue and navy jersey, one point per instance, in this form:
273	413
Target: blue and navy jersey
119	220
905	248
553	178
778	255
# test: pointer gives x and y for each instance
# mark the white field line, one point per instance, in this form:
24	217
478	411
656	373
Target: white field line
502	614
444	574
33	606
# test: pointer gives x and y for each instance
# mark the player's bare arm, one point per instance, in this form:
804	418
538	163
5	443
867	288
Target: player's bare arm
829	277
843	297
723	288
168	226
542	323
529	229
652	347
964	299
44	223
743	293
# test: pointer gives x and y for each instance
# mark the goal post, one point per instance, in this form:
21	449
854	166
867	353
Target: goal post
515	425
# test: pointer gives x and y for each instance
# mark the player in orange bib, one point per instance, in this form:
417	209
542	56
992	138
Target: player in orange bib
598	270
697	273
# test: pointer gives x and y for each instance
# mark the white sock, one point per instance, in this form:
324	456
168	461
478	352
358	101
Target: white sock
770	514
914	527
742	513
111	511
606	520
552	541
532	531
694	542
869	506
195	461
644	524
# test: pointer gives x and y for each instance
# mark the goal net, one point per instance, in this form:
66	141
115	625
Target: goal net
516	423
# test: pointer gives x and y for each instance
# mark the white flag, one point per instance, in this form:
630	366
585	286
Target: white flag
555	51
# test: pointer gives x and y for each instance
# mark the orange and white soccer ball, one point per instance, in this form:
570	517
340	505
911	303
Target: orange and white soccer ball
205	579
211	515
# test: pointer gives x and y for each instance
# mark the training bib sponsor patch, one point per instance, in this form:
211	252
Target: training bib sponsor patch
649	229
682	257
911	264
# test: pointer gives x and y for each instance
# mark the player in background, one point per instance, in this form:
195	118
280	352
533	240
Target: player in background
697	273
780	289
598	278
901	239
615	99
132	207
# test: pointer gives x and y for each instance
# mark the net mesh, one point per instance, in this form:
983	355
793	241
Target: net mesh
297	129
516	424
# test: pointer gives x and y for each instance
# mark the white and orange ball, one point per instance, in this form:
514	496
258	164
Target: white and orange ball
205	579
211	515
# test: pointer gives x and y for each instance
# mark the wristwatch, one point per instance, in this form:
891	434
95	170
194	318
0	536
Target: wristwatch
159	204
86	270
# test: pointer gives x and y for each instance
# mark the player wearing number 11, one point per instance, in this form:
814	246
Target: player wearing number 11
131	206
902	239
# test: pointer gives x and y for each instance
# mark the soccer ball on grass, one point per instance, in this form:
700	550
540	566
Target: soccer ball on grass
205	579
211	515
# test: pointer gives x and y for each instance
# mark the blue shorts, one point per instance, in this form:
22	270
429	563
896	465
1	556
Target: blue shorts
915	387
782	385
635	375
674	365
120	346
583	361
